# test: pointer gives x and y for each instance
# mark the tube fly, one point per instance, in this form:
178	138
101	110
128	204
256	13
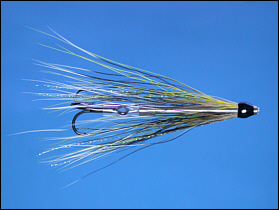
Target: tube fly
126	107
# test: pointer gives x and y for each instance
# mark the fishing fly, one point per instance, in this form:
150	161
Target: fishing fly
125	106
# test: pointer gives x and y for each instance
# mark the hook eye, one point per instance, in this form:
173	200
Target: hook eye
122	110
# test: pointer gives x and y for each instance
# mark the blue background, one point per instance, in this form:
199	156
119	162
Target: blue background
225	49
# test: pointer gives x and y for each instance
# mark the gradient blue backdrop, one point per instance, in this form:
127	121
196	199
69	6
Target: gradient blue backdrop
225	49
